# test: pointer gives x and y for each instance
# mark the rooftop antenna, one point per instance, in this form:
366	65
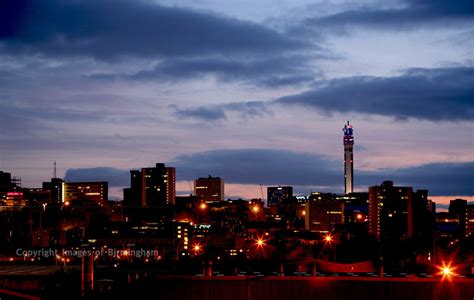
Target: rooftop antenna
54	171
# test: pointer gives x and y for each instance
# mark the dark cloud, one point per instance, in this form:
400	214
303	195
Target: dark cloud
431	94
441	179
259	166
218	111
271	167
206	113
306	171
270	71
412	15
115	177
109	29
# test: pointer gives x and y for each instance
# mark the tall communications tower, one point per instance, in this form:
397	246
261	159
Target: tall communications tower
348	158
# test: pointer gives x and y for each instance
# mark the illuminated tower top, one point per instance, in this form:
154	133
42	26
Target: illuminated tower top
348	134
348	140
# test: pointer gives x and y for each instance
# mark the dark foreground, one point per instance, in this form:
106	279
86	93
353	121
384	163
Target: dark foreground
313	288
251	287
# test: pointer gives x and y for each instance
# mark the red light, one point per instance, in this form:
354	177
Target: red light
14	194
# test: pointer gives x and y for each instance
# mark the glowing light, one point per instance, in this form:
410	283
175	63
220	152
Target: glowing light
203	206
197	247
303	212
447	271
255	209
328	238
67	203
260	243
359	216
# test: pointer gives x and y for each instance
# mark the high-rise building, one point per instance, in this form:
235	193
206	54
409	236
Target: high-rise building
323	215
56	187
470	220
348	140
390	211
151	187
458	209
96	192
279	195
209	189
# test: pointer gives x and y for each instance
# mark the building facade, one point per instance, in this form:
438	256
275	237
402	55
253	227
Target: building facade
390	213
279	194
96	192
209	189
151	187
323	215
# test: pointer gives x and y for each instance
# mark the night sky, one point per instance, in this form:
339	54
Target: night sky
256	92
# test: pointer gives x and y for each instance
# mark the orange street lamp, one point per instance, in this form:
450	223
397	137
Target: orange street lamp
447	270
203	206
328	238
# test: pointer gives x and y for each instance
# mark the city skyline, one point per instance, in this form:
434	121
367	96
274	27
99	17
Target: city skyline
87	92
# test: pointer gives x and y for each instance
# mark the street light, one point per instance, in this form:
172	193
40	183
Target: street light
256	209
447	270
328	240
202	207
197	249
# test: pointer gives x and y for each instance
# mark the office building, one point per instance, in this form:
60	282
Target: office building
56	188
390	211
458	209
279	195
96	192
323	215
470	220
151	187
209	189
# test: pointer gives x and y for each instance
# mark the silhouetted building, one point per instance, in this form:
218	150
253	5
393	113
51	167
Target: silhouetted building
151	187
96	192
56	187
447	225
424	222
470	219
355	207
348	140
209	189
322	215
390	211
458	209
279	195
